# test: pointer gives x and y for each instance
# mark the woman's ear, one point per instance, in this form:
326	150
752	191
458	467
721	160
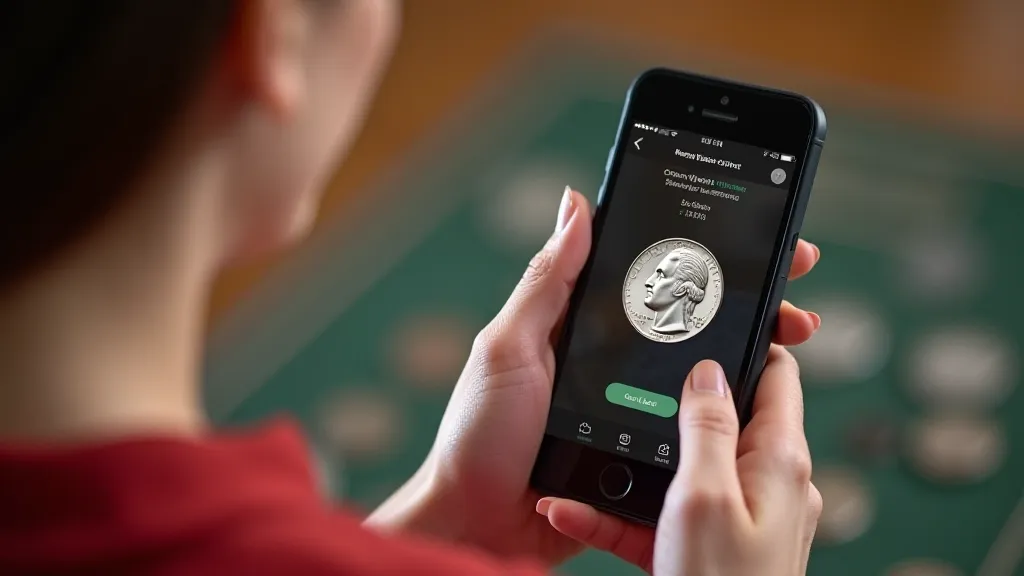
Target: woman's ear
268	51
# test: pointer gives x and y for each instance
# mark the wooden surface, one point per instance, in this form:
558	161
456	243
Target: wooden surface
955	60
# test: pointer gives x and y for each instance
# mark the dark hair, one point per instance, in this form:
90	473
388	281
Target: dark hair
90	90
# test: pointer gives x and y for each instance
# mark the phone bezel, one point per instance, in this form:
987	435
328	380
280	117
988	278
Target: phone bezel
768	118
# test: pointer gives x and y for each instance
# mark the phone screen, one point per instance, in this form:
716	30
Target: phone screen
678	274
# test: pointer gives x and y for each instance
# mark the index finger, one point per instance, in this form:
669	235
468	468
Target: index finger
631	542
804	258
780	398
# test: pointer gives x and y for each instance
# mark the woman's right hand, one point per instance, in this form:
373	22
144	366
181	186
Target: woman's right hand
740	504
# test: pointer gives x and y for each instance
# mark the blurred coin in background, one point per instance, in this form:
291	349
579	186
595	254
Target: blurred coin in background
849	505
956	449
852	345
962	368
431	350
359	424
521	213
946	265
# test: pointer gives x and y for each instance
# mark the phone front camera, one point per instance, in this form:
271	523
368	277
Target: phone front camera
725	100
689	108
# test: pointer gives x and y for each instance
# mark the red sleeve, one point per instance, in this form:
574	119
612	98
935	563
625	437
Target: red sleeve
220	506
320	545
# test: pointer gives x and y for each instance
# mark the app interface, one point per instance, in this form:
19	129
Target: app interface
678	271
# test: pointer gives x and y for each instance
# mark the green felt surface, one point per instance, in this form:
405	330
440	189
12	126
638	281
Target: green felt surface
881	187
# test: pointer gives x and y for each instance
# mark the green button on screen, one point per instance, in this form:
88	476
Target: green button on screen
642	400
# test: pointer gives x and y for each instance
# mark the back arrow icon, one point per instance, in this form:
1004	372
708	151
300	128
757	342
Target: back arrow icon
637	144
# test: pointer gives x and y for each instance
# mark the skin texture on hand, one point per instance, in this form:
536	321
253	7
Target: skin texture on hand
739	504
474	486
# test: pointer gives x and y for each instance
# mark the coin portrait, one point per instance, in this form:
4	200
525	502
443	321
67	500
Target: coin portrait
672	290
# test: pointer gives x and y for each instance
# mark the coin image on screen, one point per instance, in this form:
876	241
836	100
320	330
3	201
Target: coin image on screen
672	290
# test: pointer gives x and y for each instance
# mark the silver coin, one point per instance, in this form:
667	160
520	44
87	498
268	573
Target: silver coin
672	290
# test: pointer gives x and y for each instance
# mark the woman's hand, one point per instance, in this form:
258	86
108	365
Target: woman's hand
740	504
474	486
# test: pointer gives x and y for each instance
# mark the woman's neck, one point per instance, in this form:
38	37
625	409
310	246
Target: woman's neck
107	341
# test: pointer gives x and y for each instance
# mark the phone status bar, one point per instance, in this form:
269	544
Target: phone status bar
655	129
672	133
778	156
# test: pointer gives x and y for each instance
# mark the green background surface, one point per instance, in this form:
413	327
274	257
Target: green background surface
886	195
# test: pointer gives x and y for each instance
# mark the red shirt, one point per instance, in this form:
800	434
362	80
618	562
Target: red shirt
245	504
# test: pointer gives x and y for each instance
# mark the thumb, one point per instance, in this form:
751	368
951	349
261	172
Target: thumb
540	298
706	482
631	542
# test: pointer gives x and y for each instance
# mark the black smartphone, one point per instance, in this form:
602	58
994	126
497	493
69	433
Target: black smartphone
696	224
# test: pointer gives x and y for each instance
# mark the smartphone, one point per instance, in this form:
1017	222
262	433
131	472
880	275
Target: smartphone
696	224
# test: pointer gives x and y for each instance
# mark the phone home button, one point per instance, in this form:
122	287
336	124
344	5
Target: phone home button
615	481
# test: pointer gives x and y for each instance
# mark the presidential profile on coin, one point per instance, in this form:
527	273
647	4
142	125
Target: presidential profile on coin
672	290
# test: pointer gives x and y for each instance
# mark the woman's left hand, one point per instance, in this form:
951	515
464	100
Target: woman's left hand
474	486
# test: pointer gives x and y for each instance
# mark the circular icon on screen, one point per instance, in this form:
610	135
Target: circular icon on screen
778	176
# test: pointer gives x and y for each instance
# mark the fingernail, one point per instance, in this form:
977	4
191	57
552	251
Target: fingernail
707	376
542	506
817	252
565	210
815	320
